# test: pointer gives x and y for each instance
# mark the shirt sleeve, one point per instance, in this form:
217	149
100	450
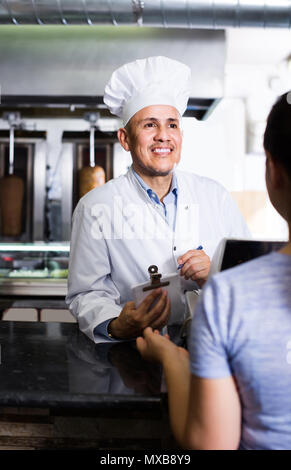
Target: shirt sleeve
102	329
92	295
208	340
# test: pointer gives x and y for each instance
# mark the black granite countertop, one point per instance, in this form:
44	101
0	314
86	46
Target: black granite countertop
54	365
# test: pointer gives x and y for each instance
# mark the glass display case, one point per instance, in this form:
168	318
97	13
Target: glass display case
34	269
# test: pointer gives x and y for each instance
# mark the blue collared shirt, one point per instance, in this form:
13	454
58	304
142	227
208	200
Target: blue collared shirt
169	209
169	204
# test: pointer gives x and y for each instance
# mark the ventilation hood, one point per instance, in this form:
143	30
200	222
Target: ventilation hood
70	66
62	52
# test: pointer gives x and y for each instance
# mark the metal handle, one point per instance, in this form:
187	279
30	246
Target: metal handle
11	151
92	146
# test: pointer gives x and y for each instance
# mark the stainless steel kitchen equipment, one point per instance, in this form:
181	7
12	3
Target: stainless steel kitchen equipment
75	156
29	164
179	14
34	269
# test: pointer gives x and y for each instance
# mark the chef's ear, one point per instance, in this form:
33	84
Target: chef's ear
123	138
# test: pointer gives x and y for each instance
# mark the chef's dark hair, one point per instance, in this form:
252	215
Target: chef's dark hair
277	137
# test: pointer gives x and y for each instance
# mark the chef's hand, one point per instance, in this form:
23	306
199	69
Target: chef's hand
132	321
196	266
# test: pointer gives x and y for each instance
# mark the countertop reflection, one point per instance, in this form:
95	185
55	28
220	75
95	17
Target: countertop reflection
55	365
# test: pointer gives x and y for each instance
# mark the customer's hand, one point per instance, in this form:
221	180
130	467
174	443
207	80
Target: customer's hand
155	347
132	321
196	266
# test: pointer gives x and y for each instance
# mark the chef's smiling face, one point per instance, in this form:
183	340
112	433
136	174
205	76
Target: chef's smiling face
154	138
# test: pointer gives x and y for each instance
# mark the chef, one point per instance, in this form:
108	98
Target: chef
152	215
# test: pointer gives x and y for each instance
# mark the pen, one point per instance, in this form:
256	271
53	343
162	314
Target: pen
200	247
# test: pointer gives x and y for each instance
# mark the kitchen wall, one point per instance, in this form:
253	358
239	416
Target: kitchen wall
228	146
217	148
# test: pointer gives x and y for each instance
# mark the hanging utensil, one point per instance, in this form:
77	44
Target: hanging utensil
93	175
92	145
11	151
11	187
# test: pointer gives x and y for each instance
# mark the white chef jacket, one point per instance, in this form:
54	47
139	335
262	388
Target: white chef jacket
118	232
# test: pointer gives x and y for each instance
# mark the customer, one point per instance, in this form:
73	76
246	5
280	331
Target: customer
236	392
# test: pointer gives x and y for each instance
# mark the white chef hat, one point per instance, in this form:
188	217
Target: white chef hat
146	82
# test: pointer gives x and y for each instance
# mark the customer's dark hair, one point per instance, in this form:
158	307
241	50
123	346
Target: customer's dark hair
277	138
